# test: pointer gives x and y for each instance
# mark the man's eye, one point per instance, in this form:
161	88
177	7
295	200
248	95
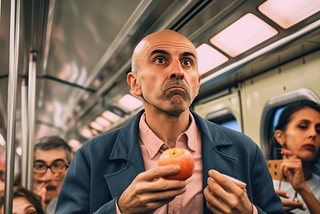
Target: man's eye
39	166
186	62
159	60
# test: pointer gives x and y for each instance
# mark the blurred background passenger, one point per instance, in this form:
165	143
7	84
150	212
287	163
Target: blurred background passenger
298	133
52	156
24	202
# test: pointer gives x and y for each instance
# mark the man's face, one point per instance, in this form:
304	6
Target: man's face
49	182
168	78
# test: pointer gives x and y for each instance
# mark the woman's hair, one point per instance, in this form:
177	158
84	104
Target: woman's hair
19	191
284	120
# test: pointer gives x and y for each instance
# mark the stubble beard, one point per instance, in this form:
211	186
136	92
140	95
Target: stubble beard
172	102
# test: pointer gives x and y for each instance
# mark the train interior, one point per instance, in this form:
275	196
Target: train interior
71	58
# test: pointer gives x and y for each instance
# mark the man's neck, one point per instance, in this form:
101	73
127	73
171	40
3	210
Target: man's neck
168	127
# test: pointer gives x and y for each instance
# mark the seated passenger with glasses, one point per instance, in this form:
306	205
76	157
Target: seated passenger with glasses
54	153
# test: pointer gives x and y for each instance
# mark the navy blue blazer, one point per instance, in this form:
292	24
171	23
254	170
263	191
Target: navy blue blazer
106	165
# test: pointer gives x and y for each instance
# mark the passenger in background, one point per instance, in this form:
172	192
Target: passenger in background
298	133
2	179
24	202
52	156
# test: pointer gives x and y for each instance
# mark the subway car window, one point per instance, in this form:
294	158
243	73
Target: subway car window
228	121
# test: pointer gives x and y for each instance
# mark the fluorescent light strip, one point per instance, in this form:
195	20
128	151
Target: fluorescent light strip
111	116
104	122
287	13
209	58
129	102
96	126
263	51
86	133
245	33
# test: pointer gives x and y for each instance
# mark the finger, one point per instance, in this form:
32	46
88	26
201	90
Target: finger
224	182
160	197
160	185
158	172
283	193
292	205
212	202
286	154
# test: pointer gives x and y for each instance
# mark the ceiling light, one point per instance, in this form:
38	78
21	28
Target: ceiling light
103	121
287	13
96	126
245	33
130	102
94	132
209	58
73	143
86	133
111	116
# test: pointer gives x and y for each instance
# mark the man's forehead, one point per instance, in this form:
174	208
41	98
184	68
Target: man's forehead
49	155
166	40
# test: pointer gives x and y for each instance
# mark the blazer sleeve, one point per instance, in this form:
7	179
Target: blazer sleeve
264	197
74	196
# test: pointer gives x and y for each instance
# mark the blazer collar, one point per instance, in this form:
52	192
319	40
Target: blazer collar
127	140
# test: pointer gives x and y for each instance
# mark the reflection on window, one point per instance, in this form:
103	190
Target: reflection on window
274	121
276	118
232	125
228	121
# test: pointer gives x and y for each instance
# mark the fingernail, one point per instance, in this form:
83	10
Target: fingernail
287	195
304	207
176	167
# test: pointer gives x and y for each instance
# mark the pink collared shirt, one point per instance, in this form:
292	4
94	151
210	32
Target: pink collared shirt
152	147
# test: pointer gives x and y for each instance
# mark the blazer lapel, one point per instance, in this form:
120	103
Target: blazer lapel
214	145
127	150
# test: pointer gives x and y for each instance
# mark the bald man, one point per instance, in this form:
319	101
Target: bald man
117	172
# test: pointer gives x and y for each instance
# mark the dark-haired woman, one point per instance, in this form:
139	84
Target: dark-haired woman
24	202
298	133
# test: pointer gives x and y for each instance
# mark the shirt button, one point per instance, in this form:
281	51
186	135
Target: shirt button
174	210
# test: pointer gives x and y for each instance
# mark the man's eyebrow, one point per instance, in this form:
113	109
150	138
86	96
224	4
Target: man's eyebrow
159	52
188	54
41	161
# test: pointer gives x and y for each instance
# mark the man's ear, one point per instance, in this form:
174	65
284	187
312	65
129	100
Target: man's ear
279	136
199	80
134	84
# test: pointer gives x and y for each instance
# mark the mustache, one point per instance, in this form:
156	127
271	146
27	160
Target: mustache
51	187
176	82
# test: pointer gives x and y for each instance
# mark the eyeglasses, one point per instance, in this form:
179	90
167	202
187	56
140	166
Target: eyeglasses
56	167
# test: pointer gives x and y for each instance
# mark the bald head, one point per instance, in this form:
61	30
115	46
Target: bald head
170	37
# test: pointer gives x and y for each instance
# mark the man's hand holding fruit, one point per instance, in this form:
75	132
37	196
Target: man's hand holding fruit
149	191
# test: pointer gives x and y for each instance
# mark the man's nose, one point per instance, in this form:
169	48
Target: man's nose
176	71
48	175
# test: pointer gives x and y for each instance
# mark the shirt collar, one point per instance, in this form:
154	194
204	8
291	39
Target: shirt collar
154	144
